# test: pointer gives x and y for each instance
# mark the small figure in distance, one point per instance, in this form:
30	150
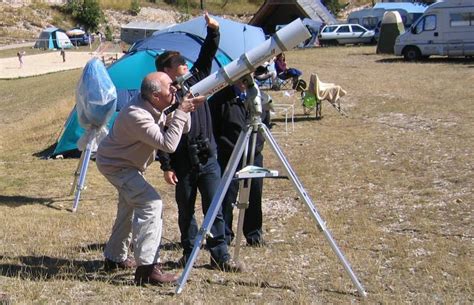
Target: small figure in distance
20	55
63	54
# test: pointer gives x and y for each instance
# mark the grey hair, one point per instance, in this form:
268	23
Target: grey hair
148	87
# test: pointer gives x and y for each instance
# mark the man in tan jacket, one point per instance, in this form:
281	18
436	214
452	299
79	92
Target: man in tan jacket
122	158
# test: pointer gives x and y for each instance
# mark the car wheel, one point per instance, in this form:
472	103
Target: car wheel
411	54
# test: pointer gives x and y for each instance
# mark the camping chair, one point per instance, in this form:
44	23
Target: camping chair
284	82
309	102
264	82
264	75
318	92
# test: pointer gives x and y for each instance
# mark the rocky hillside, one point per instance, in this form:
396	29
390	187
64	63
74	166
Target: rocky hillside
24	23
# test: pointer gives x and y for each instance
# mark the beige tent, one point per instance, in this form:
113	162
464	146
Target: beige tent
392	26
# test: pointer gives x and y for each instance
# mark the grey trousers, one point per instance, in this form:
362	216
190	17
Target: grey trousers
139	216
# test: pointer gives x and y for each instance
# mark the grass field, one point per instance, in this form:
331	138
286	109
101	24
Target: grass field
393	181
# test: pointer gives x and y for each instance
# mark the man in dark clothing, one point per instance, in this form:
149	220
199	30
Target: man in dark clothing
230	116
193	166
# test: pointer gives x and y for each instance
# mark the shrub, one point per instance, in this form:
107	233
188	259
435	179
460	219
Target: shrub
135	7
108	33
86	12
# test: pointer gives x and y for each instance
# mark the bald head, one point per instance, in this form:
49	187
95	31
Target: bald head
156	88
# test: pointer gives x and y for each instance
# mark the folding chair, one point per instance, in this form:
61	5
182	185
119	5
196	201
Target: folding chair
264	76
284	83
264	82
325	92
310	102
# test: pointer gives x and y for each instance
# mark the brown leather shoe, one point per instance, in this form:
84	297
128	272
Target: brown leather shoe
228	266
110	265
153	274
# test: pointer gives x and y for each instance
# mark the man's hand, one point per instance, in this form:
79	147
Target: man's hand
170	177
211	22
190	103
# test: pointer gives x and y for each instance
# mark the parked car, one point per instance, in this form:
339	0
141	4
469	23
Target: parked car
345	34
80	40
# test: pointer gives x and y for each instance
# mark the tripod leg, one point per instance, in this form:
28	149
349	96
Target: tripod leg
299	187
244	194
76	174
82	176
211	214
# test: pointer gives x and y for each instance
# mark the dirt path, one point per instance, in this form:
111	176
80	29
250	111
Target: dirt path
46	63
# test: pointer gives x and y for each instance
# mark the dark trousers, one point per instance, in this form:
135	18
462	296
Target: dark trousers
253	214
206	180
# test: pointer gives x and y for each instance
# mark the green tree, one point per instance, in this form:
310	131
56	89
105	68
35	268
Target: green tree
135	7
108	33
91	14
73	7
86	12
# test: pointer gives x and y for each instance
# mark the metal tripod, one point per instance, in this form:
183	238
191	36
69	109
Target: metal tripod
81	171
230	170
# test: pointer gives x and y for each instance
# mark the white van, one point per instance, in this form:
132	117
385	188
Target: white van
446	28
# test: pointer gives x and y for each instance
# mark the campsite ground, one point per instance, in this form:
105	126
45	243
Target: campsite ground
393	181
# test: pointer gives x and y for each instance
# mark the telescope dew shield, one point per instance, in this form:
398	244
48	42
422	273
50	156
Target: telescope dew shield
285	39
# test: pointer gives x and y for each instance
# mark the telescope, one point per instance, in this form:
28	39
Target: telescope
283	40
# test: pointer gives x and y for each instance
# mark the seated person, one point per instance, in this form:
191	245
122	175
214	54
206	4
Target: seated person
283	72
263	73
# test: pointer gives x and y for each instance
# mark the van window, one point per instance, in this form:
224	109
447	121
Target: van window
353	20
461	19
404	20
369	22
344	29
428	23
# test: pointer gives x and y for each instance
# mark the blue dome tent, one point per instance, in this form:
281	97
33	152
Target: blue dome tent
128	72
236	38
53	38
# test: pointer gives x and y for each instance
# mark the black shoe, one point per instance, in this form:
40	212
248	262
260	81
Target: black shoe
228	266
110	265
256	242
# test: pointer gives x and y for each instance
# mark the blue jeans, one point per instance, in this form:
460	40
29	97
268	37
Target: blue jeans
206	179
252	228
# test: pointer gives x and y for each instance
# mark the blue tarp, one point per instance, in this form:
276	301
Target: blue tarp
236	38
96	96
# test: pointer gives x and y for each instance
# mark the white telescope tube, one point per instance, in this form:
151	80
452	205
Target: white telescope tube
285	39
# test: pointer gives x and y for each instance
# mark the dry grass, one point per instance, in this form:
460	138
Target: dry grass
393	181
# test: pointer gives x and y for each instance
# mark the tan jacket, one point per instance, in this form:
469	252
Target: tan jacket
137	133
